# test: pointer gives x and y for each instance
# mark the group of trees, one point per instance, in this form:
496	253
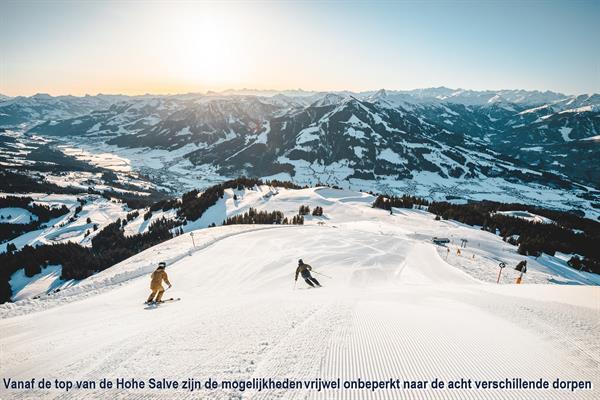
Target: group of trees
10	247
132	200
579	264
194	203
163	205
10	231
304	210
252	216
470	214
404	201
12	182
282	184
296	220
481	210
112	240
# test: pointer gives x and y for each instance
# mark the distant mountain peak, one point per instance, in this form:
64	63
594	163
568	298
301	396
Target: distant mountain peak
329	99
381	93
41	96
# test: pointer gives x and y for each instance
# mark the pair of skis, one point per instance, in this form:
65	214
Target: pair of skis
155	303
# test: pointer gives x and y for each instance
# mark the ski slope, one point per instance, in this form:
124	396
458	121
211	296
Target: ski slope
393	308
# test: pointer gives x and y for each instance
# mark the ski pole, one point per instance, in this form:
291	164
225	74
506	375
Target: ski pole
295	284
326	276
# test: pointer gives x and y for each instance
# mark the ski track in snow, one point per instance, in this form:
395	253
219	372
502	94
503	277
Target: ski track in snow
394	309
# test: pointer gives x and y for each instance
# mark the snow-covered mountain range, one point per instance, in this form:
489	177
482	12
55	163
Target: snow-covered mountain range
432	142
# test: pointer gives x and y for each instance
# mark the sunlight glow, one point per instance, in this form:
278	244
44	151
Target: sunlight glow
205	50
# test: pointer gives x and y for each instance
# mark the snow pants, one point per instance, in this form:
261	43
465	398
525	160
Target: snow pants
311	281
158	294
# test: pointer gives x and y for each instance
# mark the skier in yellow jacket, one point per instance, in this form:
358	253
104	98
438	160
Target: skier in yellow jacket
158	276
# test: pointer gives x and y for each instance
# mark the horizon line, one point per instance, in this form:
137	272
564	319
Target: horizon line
245	89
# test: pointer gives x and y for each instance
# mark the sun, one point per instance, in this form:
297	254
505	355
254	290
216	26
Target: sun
206	51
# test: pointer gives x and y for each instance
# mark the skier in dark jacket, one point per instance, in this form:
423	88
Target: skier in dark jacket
522	266
304	270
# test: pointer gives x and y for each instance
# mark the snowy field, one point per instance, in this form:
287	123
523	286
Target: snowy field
16	215
392	306
46	281
168	170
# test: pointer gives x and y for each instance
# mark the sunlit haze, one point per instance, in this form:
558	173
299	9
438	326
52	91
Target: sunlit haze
176	47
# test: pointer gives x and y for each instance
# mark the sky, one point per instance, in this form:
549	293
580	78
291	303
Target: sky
136	47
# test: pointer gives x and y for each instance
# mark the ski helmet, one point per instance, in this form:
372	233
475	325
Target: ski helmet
300	262
162	265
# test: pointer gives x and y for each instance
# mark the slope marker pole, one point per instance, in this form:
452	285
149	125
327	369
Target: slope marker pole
501	265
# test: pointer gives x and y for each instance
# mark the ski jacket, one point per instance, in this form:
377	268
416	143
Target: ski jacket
522	266
304	270
158	277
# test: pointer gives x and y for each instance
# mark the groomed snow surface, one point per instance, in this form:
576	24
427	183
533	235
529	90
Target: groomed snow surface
393	308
